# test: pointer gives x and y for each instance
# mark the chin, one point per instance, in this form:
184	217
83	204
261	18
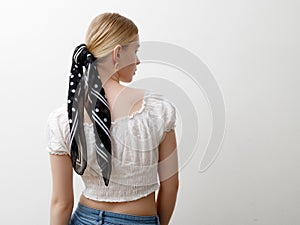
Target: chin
126	81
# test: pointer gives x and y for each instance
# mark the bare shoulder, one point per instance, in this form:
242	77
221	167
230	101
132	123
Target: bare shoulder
135	92
127	101
135	99
131	95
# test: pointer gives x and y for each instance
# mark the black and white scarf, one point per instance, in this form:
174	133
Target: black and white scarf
88	93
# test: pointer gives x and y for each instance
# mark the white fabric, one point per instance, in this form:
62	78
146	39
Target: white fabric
135	141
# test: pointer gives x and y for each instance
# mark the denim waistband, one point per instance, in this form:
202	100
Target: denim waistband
101	216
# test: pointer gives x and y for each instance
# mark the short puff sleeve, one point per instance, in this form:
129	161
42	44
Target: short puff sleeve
169	116
57	132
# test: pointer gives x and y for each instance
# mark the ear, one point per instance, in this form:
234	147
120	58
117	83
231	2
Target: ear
116	53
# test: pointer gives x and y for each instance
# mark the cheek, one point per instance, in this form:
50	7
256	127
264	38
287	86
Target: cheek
128	70
128	59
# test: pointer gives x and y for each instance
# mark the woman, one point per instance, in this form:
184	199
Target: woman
117	138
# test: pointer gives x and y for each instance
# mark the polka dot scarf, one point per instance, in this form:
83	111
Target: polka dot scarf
86	91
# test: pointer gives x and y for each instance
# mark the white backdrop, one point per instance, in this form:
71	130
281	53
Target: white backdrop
252	49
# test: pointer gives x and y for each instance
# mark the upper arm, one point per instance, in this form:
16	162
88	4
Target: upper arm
167	163
62	179
60	160
168	160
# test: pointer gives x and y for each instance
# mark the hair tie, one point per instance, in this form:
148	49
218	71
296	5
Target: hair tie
88	93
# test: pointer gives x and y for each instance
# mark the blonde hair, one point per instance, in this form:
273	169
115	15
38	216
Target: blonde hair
108	30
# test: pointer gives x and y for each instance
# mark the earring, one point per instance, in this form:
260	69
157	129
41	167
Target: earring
116	66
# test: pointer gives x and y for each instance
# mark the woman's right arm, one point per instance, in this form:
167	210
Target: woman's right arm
62	199
168	175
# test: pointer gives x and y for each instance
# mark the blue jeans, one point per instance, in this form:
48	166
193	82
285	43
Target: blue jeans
84	215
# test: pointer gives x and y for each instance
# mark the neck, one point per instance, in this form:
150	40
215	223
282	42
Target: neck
112	81
112	86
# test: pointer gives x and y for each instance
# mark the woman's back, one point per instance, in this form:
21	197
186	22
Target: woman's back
135	151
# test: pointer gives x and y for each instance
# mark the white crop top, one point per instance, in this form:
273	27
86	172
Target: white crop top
135	140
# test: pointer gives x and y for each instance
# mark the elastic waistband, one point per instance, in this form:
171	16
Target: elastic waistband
112	216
